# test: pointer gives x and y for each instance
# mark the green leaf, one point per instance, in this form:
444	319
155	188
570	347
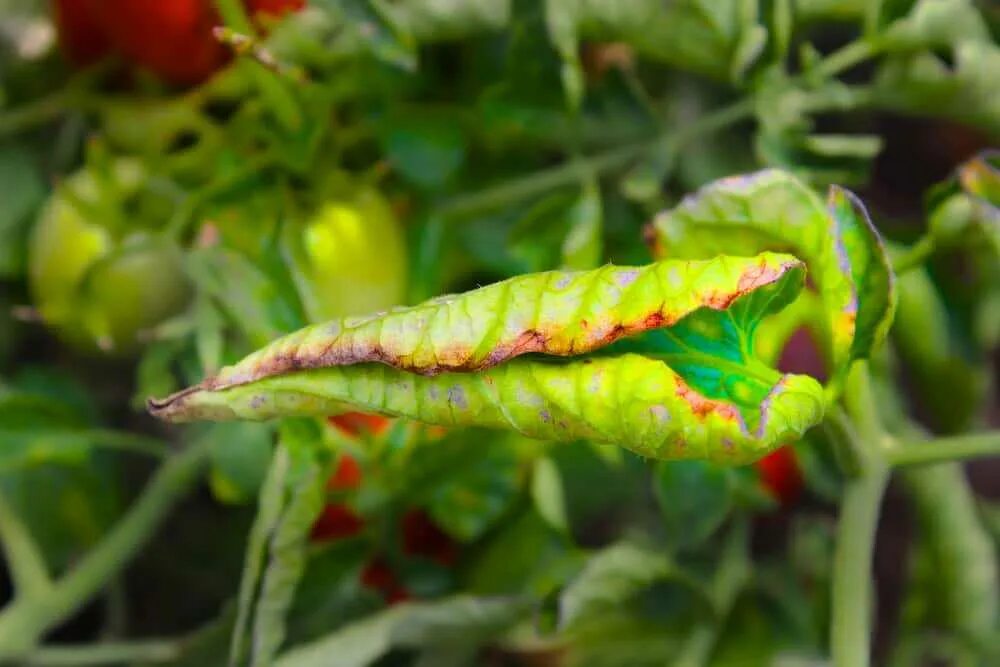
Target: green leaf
288	543
962	556
240	455
923	82
23	190
614	576
474	495
380	30
547	493
433	20
936	24
525	556
582	247
426	149
720	38
836	239
695	497
250	298
459	621
270	506
698	394
951	388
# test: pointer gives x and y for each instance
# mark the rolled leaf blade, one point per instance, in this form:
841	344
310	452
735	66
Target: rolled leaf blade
459	360
772	210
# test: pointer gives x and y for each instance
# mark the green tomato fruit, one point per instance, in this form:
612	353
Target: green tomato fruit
94	288
350	257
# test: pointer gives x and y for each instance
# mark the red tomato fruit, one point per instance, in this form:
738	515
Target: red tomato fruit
378	576
780	474
274	7
347	476
82	40
422	537
354	424
337	522
172	39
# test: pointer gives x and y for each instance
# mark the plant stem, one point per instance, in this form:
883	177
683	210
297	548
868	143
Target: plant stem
850	631
915	255
27	619
569	172
952	448
846	57
24	562
153	650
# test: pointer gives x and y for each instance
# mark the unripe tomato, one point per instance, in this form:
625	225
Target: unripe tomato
349	256
94	288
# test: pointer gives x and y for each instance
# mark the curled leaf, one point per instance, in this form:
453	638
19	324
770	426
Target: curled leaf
772	210
657	359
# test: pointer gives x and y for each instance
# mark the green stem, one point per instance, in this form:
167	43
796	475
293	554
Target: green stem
570	172
952	448
846	57
914	256
24	561
130	442
27	619
74	95
850	631
153	650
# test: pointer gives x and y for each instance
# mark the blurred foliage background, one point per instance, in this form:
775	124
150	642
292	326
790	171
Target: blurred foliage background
173	197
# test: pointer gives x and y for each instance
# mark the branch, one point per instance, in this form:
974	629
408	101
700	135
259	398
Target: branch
27	619
153	650
914	256
938	450
850	630
570	172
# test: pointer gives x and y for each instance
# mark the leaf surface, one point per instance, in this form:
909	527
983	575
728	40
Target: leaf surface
773	210
695	391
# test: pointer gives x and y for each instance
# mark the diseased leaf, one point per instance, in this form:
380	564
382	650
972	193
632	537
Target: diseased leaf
698	394
772	210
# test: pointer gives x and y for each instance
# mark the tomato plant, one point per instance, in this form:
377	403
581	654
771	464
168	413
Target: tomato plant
491	332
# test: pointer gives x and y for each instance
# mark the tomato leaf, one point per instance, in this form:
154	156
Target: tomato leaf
460	620
695	392
615	575
773	210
